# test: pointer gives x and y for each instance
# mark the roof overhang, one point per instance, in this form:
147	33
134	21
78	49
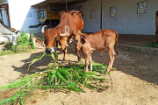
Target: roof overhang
58	2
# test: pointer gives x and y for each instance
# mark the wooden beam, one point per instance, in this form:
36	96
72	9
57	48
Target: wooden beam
66	6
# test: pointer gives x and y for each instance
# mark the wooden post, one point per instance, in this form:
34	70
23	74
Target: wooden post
1	14
66	6
101	16
49	14
8	15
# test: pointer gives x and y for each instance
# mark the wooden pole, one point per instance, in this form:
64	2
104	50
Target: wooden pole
8	16
49	14
101	16
1	14
66	6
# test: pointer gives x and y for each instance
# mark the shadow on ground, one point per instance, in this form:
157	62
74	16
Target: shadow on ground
138	65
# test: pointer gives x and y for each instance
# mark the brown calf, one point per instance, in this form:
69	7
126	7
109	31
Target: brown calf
37	44
99	41
156	24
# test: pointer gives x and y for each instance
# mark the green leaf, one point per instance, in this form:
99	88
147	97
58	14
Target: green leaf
60	76
76	89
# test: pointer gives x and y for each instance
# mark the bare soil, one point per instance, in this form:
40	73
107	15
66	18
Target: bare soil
135	82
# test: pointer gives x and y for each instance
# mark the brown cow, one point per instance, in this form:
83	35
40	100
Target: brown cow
69	21
99	41
156	24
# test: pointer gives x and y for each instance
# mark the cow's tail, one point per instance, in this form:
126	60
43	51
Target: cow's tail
42	29
81	10
117	37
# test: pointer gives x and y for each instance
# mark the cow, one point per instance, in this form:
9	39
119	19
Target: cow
37	44
156	24
69	21
99	41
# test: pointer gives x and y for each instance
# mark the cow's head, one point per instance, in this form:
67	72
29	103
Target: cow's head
78	37
51	36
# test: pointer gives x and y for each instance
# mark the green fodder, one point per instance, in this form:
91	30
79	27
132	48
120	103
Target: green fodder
24	44
66	78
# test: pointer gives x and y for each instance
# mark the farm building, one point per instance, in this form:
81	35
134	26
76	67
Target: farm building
124	16
45	69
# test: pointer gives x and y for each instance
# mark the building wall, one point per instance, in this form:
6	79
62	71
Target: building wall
22	15
126	21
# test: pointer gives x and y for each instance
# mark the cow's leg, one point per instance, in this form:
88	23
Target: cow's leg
65	52
90	61
156	32
87	61
57	43
111	59
78	54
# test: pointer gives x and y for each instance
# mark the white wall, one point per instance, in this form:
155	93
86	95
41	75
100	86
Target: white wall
22	15
127	21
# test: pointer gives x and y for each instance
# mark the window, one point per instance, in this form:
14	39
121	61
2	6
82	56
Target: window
141	7
113	11
92	14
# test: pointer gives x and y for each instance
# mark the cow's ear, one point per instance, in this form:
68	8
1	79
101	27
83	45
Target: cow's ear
83	39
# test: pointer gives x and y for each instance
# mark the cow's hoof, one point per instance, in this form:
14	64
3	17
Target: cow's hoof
107	71
79	58
86	71
64	62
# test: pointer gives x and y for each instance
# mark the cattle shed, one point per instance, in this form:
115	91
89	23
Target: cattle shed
124	16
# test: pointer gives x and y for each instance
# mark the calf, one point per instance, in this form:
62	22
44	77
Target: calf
37	44
99	41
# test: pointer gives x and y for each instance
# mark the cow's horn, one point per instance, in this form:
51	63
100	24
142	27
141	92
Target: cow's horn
66	31
42	29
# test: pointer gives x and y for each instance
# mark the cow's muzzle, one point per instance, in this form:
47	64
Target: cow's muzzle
76	41
49	50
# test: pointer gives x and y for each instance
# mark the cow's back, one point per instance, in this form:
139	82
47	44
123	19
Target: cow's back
74	21
77	18
100	40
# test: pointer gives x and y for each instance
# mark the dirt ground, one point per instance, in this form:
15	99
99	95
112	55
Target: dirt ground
135	82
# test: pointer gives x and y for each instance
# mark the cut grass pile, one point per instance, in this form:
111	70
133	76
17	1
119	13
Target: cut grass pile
24	44
66	78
